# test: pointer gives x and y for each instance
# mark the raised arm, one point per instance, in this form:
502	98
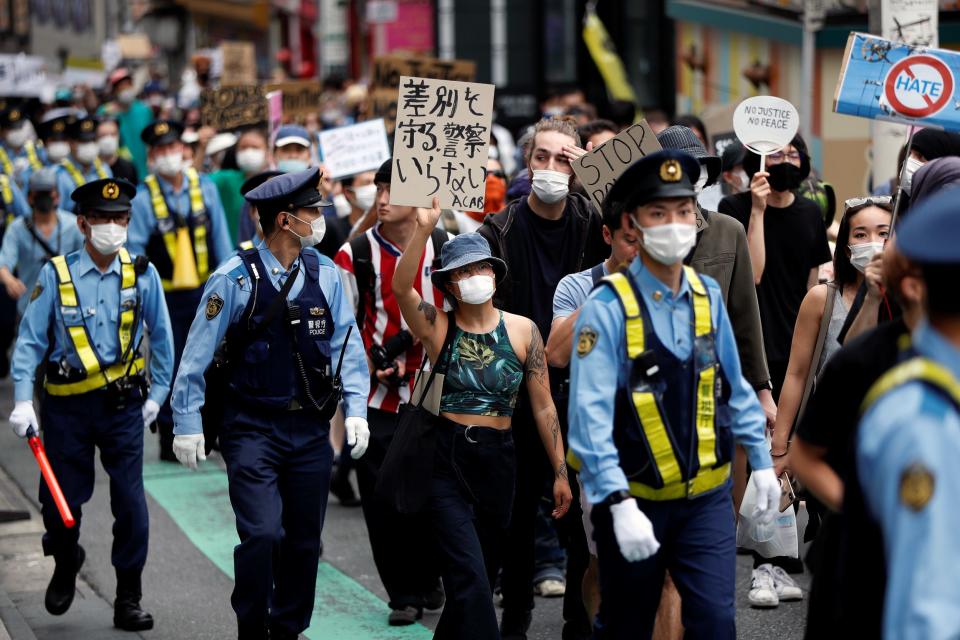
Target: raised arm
759	190
426	322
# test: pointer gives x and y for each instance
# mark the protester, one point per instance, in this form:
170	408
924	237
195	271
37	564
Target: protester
486	356
401	550
735	179
292	149
108	146
31	241
541	237
131	114
596	132
96	391
250	159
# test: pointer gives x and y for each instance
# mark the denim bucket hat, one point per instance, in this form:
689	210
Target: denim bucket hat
465	249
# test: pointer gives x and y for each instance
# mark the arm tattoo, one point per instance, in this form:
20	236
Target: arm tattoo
429	311
536	359
561	471
555	429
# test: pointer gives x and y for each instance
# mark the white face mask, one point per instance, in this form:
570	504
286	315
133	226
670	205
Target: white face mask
476	289
127	96
550	186
743	179
702	180
861	254
251	160
107	238
58	150
366	196
668	243
292	165
317	229
109	145
87	152
16	138
169	165
909	169
342	205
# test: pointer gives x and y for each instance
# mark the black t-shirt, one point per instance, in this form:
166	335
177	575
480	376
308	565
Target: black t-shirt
125	169
795	241
540	252
833	410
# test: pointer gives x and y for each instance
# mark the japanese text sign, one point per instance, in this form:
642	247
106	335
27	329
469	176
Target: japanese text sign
230	107
440	143
600	168
350	150
886	80
765	124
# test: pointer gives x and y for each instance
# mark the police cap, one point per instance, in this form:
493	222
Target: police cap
108	194
83	129
56	124
289	192
665	174
930	234
161	132
255	181
12	117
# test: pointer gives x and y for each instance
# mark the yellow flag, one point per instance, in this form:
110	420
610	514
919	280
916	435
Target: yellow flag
184	263
605	56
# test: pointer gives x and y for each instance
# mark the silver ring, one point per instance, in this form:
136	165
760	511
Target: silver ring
466	434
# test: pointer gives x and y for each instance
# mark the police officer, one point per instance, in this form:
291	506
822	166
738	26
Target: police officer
248	212
17	150
284	353
93	304
908	442
653	434
178	222
83	163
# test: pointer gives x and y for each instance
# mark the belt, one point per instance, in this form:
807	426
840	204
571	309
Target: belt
476	434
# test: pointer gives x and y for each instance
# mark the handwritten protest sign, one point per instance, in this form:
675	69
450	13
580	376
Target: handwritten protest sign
600	168
386	73
440	144
229	107
765	124
348	151
299	98
22	75
239	63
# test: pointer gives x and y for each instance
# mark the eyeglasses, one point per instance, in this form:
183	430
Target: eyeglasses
780	156
477	268
853	205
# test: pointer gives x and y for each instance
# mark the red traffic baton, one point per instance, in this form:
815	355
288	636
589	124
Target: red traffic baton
48	476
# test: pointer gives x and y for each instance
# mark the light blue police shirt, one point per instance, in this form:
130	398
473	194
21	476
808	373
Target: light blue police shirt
915	427
596	376
232	282
143	221
66	184
21	252
18	205
98	296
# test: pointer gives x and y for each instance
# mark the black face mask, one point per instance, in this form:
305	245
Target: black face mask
43	202
784	177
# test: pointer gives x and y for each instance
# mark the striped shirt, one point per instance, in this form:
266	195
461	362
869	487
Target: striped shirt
382	319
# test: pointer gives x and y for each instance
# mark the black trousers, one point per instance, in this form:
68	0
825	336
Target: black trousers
577	623
400	542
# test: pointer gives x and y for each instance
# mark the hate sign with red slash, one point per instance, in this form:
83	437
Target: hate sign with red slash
918	86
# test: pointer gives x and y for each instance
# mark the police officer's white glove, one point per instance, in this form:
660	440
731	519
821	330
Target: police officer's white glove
358	435
23	417
150	412
189	449
768	495
633	531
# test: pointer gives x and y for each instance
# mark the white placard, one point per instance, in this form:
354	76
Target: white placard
765	124
22	75
354	149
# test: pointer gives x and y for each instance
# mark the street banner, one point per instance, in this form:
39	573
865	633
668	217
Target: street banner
230	107
299	98
239	63
385	77
440	143
601	167
22	76
347	151
765	124
886	80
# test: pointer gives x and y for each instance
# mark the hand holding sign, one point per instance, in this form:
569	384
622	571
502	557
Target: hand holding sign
765	125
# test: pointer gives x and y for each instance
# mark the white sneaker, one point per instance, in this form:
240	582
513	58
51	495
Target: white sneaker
786	586
763	591
550	588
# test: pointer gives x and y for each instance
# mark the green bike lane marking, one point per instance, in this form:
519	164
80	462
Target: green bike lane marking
200	505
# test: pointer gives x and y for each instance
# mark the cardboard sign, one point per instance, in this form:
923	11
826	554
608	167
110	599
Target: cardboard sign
135	46
239	63
440	143
350	150
274	114
22	75
886	80
299	98
230	107
600	168
765	124
387	71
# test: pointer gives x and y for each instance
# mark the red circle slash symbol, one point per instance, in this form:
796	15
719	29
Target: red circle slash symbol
918	86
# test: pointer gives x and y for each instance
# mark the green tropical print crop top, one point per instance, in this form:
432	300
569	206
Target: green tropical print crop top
483	375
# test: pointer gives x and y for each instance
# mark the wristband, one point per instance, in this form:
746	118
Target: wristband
616	498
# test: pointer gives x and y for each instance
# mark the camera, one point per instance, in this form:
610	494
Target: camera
384	356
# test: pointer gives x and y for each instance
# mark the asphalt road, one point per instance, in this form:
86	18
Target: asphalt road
187	580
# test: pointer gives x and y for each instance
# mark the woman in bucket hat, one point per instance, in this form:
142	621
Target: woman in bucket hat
489	355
